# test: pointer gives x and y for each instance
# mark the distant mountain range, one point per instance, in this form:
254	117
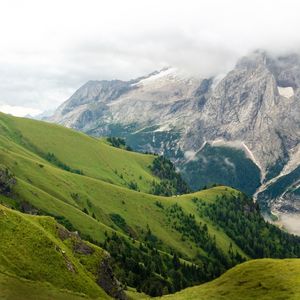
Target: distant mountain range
242	130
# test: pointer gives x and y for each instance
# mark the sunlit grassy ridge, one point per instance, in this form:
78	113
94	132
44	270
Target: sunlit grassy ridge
265	279
93	156
15	288
31	249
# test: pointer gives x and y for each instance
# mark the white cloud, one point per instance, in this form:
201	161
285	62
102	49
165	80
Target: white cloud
229	163
190	155
19	111
49	48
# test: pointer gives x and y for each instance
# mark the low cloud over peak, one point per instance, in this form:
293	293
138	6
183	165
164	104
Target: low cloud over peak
50	48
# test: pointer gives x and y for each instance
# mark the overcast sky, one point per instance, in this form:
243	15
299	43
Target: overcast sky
48	49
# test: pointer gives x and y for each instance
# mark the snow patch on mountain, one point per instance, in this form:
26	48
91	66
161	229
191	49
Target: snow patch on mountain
286	92
156	76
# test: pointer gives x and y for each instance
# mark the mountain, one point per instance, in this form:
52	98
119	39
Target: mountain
157	244
245	124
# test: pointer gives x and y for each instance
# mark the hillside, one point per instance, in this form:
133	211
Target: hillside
158	244
37	250
93	157
15	288
265	279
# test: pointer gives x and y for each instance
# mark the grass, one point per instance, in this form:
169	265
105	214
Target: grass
15	288
264	279
100	190
31	249
93	156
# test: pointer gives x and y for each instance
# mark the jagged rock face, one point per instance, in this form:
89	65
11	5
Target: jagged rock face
107	280
154	99
89	103
254	108
246	106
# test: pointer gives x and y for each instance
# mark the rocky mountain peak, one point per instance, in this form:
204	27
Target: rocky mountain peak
255	108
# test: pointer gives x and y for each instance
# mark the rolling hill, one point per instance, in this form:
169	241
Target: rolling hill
263	279
158	244
94	157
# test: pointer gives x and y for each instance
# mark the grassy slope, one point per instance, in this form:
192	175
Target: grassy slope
31	249
15	288
265	279
50	188
93	156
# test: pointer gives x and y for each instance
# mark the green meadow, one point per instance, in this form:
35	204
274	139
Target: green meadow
65	178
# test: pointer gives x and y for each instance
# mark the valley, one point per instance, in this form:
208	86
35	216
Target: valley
91	202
